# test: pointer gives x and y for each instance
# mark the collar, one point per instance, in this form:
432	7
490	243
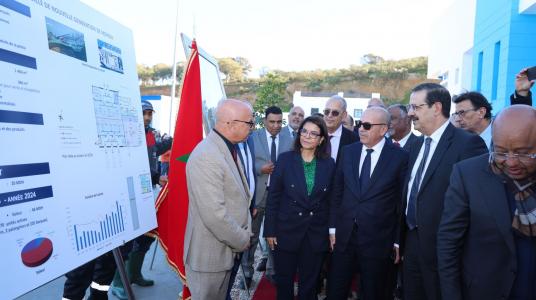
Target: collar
337	132
269	136
436	136
486	132
404	139
230	145
377	148
290	130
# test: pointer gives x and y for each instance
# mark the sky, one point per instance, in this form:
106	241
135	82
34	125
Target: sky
290	35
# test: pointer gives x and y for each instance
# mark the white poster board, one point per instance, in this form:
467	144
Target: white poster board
74	175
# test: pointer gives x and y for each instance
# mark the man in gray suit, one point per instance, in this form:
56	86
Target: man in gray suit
295	117
219	223
269	143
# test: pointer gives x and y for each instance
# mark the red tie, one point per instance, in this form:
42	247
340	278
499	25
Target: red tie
396	144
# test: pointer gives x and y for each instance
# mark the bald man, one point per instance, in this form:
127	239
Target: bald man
487	237
219	223
295	117
365	207
375	102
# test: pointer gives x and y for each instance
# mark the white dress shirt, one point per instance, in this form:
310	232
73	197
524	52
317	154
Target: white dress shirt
486	136
374	157
248	166
404	140
269	139
335	141
436	136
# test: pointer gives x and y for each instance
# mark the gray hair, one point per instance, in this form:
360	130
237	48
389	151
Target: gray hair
403	109
381	110
340	99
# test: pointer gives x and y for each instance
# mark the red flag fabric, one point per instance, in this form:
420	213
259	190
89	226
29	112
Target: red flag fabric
172	202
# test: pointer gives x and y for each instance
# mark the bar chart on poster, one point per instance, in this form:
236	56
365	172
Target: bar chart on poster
74	175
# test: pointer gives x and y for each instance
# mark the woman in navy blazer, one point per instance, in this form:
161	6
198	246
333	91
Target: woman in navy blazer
297	210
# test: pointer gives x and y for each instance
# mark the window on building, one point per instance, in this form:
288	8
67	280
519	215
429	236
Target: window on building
358	113
457	76
314	110
496	58
479	72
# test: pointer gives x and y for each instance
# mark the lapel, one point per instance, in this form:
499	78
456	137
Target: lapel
299	174
415	148
283	141
261	135
385	156
355	157
495	194
342	142
441	149
236	169
319	176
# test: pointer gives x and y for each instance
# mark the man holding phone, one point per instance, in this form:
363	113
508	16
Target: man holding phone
524	81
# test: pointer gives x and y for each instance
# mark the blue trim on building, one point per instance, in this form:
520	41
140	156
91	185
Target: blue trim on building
151	97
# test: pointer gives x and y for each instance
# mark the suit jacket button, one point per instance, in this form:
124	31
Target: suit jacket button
299	214
325	189
311	213
291	185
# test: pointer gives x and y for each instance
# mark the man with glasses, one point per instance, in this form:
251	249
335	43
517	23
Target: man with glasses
295	117
430	163
269	143
473	113
334	114
365	207
487	237
219	223
400	127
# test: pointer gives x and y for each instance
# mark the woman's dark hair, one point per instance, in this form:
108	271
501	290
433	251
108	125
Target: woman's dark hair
322	151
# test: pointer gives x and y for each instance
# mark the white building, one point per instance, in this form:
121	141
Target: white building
315	102
451	49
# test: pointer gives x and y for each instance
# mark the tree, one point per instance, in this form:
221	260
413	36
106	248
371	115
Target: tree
371	59
232	69
244	63
145	74
271	92
161	72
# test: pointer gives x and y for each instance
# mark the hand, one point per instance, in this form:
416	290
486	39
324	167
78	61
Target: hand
396	255
268	168
272	242
331	242
163	180
522	83
254	213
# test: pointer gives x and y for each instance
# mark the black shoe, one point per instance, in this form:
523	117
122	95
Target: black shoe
262	265
248	283
271	279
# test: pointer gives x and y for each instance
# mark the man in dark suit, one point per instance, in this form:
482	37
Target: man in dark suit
430	163
339	136
487	237
365	206
400	127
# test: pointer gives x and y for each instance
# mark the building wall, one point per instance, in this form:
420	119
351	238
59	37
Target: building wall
452	39
504	43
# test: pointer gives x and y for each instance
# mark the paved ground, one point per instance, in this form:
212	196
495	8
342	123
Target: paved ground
167	283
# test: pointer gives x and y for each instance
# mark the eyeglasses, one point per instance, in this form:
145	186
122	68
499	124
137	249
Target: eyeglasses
250	123
501	158
414	106
334	113
312	134
462	112
367	125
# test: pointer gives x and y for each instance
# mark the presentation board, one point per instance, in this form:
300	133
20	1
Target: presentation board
74	174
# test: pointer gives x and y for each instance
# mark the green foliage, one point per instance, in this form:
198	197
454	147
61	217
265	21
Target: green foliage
233	70
271	92
159	73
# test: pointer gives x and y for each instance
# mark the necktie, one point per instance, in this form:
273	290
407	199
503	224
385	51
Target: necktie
273	150
364	178
293	134
411	216
329	145
244	160
396	143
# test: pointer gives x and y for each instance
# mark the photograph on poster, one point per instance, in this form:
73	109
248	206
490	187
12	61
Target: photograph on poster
65	40
110	57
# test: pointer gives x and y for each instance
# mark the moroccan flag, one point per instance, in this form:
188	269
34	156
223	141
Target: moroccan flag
172	202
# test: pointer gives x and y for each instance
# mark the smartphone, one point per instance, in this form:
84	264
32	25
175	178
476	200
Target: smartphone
531	73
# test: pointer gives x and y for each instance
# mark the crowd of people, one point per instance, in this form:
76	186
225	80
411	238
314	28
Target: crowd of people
449	214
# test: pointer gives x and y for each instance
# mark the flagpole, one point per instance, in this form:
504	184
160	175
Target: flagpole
174	71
